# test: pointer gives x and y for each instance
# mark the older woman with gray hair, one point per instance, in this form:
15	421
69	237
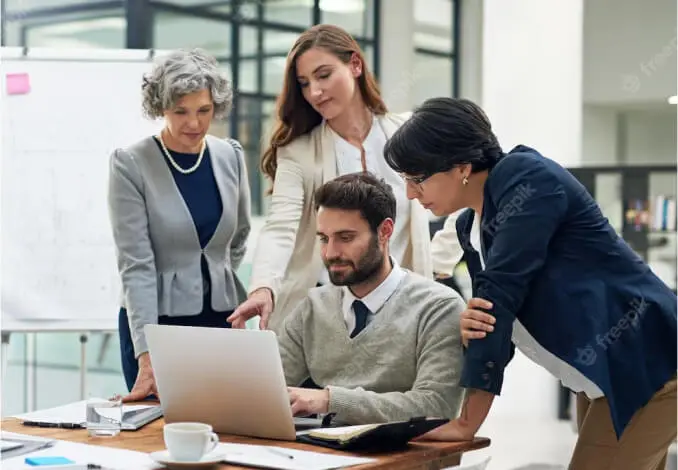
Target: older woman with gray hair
179	206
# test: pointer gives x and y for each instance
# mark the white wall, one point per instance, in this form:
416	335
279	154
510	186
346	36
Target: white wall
615	136
599	132
630	51
531	78
637	37
651	137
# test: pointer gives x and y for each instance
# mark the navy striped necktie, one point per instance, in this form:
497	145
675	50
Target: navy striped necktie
361	311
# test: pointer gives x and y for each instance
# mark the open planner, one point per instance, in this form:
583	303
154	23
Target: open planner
382	436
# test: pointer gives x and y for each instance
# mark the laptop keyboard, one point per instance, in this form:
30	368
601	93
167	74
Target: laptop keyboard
301	424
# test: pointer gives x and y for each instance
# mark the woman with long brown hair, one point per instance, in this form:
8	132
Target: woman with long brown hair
331	121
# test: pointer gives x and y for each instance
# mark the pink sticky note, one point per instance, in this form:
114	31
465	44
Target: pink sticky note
18	84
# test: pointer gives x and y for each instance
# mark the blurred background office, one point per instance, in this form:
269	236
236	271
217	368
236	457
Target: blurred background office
591	84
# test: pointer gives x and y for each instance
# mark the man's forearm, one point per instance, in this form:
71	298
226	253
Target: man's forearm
360	406
477	404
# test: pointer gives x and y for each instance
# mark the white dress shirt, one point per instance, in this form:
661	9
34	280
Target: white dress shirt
348	161
446	251
375	299
528	345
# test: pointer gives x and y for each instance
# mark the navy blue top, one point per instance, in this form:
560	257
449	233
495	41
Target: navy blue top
554	262
201	195
199	190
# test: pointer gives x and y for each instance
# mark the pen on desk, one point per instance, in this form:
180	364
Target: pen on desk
76	466
41	424
279	452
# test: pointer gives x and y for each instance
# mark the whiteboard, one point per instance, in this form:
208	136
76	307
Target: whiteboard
58	257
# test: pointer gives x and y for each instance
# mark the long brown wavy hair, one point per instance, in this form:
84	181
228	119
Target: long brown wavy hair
295	116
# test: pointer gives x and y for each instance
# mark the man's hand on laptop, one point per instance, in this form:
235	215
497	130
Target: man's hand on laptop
145	383
259	302
306	401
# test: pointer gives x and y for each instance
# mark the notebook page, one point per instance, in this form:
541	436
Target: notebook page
340	431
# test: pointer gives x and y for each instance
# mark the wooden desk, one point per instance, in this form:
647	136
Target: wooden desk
418	456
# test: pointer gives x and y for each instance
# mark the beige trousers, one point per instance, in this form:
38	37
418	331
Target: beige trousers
644	443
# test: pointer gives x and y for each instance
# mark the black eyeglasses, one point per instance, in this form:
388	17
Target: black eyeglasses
418	180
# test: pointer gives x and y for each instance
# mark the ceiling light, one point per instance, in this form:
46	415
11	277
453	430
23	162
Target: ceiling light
673	99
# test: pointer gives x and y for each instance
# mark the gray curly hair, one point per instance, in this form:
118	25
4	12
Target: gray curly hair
180	73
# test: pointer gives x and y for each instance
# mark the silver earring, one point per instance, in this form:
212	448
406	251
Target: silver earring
465	181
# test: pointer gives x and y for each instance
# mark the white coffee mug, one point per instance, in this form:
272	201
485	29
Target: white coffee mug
188	442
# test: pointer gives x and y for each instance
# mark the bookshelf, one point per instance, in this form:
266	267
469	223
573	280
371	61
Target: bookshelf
640	202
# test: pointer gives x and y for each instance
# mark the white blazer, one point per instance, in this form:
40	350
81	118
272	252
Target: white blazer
446	249
287	256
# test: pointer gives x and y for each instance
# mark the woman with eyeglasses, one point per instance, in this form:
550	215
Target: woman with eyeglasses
331	120
552	278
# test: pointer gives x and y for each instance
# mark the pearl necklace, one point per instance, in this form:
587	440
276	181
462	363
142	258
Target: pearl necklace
175	164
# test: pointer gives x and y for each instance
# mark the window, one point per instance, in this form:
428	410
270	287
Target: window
28	7
95	25
174	30
290	12
435	55
434	77
368	51
355	16
103	30
255	118
276	46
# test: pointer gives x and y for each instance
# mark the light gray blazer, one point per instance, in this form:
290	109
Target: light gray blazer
157	246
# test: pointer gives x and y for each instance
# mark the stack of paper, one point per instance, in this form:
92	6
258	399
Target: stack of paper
273	457
107	457
73	413
282	458
9	445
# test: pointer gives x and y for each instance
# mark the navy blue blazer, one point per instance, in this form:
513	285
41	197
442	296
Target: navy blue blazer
553	261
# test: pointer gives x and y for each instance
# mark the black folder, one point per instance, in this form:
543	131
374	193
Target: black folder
378	437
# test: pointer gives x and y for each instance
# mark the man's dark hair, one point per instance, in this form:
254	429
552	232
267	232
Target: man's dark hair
442	134
360	192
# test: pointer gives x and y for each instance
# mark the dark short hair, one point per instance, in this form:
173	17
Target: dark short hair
363	192
442	134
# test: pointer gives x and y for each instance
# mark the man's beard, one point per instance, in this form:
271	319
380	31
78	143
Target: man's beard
368	266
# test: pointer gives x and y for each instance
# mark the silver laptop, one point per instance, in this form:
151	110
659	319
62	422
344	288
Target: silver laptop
136	419
231	379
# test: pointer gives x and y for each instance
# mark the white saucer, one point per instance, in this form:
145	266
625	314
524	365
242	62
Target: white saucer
163	457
